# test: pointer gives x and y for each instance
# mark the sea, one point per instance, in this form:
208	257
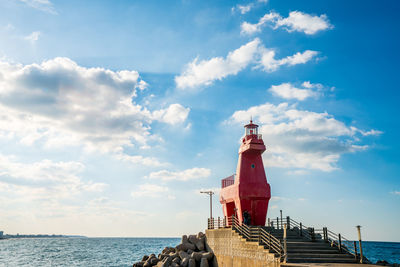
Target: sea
121	251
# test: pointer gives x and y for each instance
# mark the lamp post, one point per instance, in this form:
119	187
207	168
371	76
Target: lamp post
210	193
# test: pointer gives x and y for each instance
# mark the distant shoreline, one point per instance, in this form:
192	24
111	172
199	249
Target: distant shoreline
40	236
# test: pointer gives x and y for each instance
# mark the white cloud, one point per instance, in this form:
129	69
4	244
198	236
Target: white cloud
59	103
33	37
302	22
150	190
396	193
206	72
217	68
44	179
301	139
248	28
269	64
243	9
174	114
371	132
288	91
296	21
43	5
185	175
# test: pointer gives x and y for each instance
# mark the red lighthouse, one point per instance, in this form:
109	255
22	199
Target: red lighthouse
248	192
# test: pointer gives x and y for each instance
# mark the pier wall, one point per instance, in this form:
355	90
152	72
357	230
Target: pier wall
231	250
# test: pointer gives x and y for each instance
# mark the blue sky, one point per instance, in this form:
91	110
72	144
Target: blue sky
115	114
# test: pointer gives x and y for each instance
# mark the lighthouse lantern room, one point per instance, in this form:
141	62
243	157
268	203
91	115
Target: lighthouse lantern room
246	194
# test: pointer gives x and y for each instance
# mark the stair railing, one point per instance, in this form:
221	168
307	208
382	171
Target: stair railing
342	243
260	235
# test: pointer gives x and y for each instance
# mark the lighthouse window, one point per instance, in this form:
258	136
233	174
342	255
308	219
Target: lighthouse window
253	166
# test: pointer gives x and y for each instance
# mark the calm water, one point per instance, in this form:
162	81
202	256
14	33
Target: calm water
79	251
120	251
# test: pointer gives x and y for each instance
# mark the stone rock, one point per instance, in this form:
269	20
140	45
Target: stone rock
154	261
174	264
166	262
163	256
181	247
207	255
200	243
177	260
196	256
138	264
184	239
192	263
192	239
168	250
185	262
189	251
145	257
204	262
183	255
147	264
200	235
382	262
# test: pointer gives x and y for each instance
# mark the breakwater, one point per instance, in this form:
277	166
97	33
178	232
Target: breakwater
191	252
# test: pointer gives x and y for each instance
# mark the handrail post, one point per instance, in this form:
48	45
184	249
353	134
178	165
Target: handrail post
277	223
219	223
355	249
325	234
259	235
208	223
269	223
312	234
301	229
340	242
359	240
284	243
281	219
288	222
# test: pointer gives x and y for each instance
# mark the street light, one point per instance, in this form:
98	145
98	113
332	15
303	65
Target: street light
210	193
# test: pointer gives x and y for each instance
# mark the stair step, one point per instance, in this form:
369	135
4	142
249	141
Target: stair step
320	255
321	260
311	250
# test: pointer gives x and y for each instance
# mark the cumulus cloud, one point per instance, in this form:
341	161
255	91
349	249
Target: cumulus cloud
58	103
174	114
205	72
43	5
44	179
185	175
396	193
289	91
296	21
150	190
302	139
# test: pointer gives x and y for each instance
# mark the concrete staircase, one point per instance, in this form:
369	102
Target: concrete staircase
302	250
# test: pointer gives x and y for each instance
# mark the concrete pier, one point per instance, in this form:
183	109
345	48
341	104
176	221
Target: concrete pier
231	250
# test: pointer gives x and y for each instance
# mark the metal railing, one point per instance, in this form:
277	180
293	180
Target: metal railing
260	235
312	234
216	223
228	181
